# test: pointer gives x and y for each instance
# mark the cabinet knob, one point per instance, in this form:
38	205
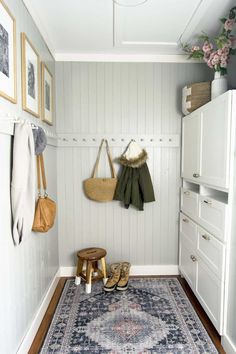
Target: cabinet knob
193	258
186	192
196	175
206	237
185	220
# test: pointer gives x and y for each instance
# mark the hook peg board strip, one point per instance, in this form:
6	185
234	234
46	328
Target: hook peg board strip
81	140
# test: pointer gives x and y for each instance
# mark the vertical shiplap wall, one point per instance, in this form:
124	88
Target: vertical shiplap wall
120	98
26	271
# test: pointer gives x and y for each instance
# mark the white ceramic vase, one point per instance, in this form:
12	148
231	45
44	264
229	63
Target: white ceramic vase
219	85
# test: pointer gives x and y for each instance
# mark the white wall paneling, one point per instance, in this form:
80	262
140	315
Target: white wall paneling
27	270
120	101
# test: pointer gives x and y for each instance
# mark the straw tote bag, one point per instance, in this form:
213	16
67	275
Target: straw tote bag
101	189
45	210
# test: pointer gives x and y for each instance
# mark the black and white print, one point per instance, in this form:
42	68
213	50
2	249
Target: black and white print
47	96
31	79
4	51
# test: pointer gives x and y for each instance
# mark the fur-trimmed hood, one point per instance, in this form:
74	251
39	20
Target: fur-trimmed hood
134	156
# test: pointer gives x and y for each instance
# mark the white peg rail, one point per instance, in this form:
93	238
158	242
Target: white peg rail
83	140
7	121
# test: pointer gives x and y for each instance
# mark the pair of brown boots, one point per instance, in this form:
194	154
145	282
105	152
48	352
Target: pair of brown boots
119	277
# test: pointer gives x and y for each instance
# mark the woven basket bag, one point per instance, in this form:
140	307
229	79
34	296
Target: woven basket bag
101	189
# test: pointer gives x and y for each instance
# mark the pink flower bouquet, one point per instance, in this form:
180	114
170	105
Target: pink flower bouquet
216	53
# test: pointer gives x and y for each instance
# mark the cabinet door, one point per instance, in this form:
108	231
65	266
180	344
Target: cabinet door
189	229
191	146
215	142
212	252
187	261
213	216
209	291
189	203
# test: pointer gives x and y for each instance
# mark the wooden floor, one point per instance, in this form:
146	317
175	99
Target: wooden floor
39	338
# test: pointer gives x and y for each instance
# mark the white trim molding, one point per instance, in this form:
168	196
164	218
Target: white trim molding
126	58
228	345
31	333
135	270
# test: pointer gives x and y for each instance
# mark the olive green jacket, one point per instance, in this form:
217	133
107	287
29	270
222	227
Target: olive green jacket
134	187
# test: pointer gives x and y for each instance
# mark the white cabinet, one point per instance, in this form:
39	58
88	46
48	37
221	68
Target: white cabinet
211	251
187	261
209	291
189	229
206	143
213	216
201	262
189	202
191	146
215	143
208	206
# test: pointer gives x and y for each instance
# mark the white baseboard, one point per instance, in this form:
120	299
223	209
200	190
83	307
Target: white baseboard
29	337
135	270
228	345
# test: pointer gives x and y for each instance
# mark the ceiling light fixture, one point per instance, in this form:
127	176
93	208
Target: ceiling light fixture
129	3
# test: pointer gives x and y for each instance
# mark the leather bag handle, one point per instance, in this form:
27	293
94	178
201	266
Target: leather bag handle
95	170
41	173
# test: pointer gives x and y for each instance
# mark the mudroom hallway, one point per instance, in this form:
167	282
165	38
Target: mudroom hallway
117	154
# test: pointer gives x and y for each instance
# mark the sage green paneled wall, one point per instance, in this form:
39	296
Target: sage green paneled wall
114	99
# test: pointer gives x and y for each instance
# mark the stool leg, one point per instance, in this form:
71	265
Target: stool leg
89	271
79	270
104	270
95	268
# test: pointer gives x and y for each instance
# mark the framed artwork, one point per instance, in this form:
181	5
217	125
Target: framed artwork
30	77
7	54
47	95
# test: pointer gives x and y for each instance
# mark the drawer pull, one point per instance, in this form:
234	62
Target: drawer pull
196	175
206	237
185	220
187	193
209	202
193	258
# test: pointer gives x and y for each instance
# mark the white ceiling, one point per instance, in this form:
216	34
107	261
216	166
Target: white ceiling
92	28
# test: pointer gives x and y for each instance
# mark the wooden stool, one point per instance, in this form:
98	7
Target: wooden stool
91	256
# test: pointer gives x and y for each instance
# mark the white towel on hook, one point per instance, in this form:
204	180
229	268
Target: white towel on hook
23	182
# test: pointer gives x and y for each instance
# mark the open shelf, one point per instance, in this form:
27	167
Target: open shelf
191	186
215	194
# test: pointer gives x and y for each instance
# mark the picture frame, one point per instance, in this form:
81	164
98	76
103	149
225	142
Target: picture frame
8	69
30	77
47	94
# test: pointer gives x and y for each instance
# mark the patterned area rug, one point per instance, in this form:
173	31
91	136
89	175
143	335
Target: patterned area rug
153	316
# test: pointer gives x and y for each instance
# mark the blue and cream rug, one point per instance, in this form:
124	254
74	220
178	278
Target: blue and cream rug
152	316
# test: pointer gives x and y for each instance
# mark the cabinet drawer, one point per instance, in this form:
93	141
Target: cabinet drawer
211	251
189	202
209	291
212	216
189	229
